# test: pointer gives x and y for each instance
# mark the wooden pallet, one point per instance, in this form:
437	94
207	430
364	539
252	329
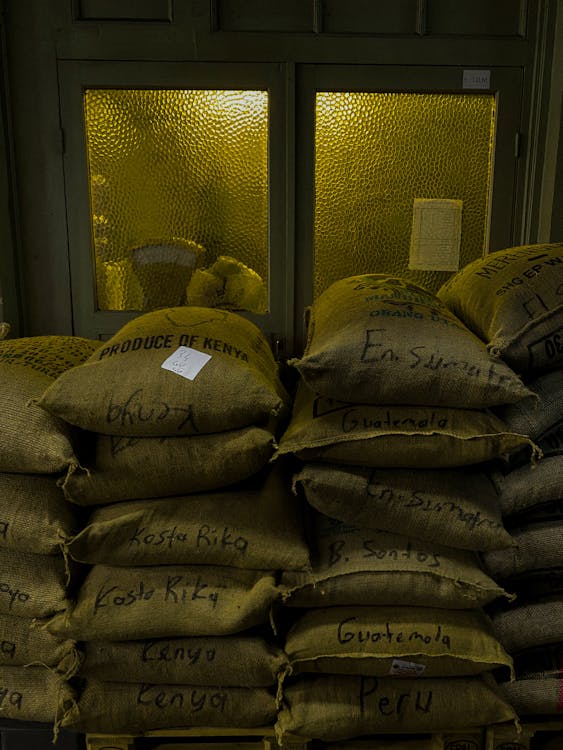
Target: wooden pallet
263	738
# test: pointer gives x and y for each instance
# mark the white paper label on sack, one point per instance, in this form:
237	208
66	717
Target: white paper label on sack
186	362
402	668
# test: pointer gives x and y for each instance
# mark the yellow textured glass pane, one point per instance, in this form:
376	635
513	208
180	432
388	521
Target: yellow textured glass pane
179	197
375	153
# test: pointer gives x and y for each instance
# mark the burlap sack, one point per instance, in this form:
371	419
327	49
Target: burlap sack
352	566
338	707
34	694
34	515
122	468
538	546
32	585
551	442
540	662
399	641
539	414
535	584
21	644
122	604
512	300
378	339
394	436
123	388
456	507
231	660
133	708
259	527
529	624
534	696
529	486
31	440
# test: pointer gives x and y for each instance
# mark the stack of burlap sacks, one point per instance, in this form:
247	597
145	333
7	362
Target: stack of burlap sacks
394	429
513	301
36	522
188	529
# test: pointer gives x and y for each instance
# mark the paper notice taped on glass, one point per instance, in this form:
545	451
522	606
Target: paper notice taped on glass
436	234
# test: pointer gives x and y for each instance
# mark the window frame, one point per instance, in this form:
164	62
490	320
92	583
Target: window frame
506	85
77	76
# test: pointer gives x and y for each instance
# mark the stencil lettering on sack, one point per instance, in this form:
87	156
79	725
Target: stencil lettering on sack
168	341
337	551
499	262
170	652
415	499
370	699
491	268
15	595
159	341
194	699
8	648
10	698
134	411
553	345
347	632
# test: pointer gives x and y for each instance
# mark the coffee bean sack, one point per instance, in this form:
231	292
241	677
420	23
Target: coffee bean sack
534	696
34	515
123	603
527	624
454	507
539	662
22	643
538	546
352	565
539	413
511	299
259	526
32	585
397	641
551	441
134	708
31	439
242	660
34	693
128	468
529	486
224	377
337	707
378	339
394	436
